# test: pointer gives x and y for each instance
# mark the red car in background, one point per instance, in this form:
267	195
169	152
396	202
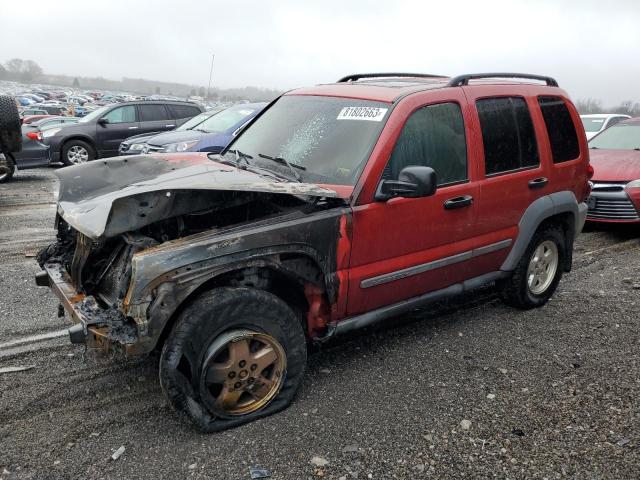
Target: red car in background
32	118
615	157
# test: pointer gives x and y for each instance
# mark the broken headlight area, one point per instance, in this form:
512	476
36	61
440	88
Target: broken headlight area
91	279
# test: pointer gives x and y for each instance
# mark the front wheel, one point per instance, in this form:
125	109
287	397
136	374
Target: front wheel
234	355
539	271
76	152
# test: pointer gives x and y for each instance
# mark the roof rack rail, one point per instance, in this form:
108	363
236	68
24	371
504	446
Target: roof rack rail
462	80
357	76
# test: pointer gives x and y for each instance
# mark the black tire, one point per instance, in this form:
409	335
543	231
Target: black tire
7	167
10	129
76	144
516	291
211	317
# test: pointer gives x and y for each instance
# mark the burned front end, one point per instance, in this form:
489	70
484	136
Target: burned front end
128	255
91	279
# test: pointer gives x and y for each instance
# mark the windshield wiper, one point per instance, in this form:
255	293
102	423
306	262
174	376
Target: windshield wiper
284	161
241	156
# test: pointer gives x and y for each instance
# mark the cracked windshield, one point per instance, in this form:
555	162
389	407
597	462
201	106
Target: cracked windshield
330	138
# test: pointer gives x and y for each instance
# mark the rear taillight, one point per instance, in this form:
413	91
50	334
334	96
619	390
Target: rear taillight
35	136
590	172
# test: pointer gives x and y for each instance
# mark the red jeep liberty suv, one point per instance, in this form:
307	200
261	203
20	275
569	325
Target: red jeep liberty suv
335	208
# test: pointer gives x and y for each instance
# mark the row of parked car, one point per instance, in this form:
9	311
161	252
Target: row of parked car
129	128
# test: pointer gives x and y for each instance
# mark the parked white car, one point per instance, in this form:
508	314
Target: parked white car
595	123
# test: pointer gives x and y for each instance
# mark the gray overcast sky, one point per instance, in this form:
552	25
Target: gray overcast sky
591	47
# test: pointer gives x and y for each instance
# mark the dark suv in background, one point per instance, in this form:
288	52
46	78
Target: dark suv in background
99	134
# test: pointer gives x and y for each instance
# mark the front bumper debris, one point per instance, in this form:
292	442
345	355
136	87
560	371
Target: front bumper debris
97	327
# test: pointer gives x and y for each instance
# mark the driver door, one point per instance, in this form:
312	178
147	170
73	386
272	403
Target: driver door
405	247
121	123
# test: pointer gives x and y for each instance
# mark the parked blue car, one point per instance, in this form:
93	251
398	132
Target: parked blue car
24	101
210	135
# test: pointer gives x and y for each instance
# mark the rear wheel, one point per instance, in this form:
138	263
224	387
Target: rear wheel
234	355
76	152
7	167
539	271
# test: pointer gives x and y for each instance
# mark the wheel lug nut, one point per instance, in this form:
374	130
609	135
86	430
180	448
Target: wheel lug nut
254	366
251	380
232	374
242	363
237	385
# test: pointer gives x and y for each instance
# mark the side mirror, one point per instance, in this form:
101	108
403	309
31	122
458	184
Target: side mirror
103	121
413	182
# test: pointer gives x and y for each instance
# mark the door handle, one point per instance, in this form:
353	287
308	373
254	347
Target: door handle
133	128
538	182
170	126
458	202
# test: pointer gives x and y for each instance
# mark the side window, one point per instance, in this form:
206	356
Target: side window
560	129
153	113
184	111
124	114
432	137
507	134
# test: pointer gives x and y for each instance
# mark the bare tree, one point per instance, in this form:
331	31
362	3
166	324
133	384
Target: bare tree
14	66
23	70
628	107
589	105
30	71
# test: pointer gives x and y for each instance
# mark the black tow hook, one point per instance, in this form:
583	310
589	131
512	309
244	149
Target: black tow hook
42	279
76	334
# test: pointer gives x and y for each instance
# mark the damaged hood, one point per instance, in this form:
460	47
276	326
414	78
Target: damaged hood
104	198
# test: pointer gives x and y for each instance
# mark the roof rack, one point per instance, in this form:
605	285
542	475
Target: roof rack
462	80
357	76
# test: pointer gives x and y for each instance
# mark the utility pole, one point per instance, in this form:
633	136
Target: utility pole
213	56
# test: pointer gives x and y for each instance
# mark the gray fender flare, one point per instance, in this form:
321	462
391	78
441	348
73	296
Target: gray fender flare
536	213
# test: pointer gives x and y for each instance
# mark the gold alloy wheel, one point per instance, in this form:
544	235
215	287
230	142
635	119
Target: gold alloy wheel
242	372
542	267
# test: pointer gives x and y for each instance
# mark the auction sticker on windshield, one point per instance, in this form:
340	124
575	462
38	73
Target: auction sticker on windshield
372	114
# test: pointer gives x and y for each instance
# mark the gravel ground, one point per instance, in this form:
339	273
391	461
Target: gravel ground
466	389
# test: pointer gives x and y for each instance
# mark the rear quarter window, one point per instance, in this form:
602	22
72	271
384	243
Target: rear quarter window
184	111
560	129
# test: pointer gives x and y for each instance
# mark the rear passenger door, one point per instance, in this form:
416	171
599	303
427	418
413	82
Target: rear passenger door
155	118
513	172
